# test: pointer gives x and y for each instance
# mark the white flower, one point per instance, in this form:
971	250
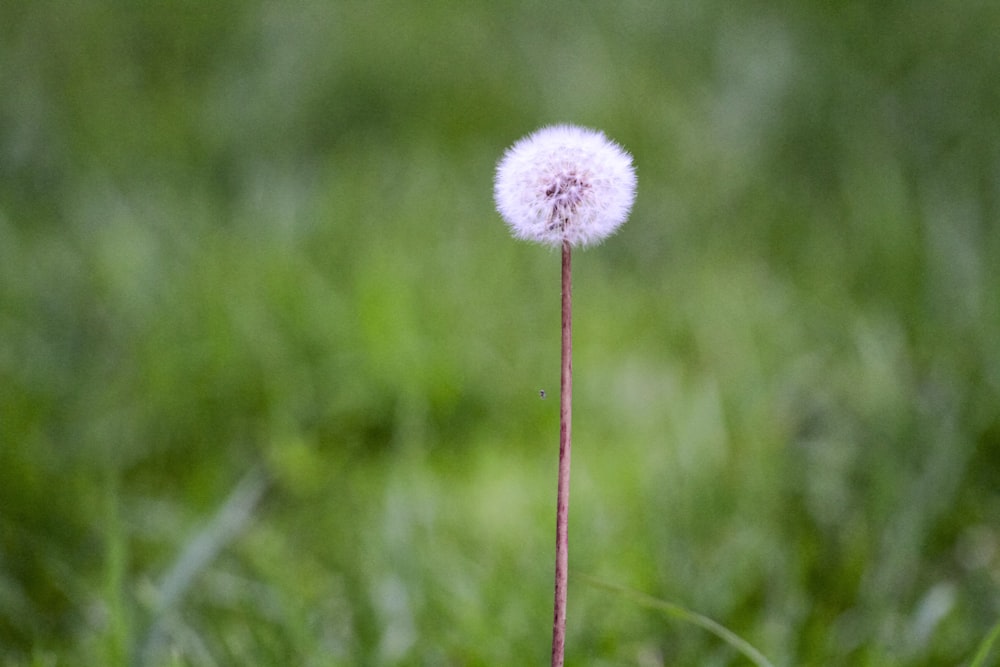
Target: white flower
564	183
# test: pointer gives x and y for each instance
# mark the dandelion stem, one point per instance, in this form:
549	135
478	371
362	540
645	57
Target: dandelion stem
562	503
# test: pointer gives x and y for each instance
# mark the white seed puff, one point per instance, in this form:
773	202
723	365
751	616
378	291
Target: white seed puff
564	183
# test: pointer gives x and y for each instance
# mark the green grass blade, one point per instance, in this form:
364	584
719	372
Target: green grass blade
985	647
683	614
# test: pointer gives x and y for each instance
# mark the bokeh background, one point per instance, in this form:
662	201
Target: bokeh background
270	362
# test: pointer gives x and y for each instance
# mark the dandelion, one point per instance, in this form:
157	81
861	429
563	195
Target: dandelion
564	186
565	183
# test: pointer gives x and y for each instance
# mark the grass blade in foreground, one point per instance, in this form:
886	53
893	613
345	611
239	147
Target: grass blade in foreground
683	614
984	648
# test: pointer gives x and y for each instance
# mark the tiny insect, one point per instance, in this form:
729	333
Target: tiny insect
541	393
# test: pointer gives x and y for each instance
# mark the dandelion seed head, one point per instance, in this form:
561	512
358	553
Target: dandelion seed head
564	183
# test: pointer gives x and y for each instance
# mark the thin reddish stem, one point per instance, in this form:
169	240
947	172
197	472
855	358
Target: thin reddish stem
562	502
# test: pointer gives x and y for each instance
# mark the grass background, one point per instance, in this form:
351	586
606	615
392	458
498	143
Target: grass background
270	363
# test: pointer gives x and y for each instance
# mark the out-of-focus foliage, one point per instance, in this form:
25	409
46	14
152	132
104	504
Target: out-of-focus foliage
259	236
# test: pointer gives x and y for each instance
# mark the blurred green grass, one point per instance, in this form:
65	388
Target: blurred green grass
240	236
